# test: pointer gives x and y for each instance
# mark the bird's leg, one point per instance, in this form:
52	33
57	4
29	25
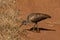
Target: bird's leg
35	25
36	29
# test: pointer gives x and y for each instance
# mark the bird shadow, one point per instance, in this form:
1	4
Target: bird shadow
36	29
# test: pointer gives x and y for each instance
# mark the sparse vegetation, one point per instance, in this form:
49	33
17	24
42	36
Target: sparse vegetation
9	27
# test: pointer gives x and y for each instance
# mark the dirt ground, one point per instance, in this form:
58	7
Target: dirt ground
51	7
12	12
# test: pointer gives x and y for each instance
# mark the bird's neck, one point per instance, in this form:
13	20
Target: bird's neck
28	21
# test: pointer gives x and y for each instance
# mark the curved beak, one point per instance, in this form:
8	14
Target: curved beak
23	23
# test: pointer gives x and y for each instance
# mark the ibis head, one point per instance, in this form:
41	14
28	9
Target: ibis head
24	22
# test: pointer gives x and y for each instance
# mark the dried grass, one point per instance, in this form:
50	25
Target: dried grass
9	27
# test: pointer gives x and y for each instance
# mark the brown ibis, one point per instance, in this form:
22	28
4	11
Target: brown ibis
35	18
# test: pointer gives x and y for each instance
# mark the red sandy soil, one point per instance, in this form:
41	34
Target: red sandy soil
51	7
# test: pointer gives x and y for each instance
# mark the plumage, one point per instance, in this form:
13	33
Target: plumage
35	18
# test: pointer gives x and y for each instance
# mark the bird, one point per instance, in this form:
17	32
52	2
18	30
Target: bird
36	29
35	18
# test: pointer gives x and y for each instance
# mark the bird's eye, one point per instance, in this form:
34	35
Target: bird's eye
24	22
